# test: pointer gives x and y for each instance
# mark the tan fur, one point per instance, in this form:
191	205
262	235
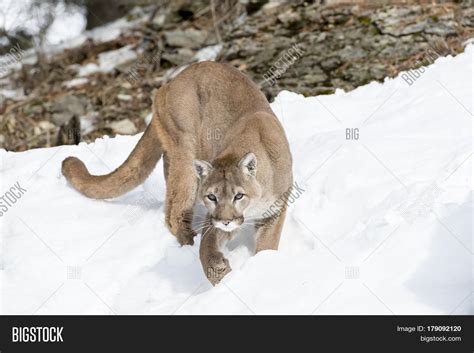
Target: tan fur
218	135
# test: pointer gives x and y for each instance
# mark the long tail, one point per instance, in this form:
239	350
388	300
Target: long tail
129	175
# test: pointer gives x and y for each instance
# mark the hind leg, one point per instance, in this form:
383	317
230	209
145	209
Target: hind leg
181	189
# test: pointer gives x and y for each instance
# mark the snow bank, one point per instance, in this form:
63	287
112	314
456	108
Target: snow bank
384	225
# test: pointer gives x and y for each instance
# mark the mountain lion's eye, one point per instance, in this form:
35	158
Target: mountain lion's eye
238	196
212	197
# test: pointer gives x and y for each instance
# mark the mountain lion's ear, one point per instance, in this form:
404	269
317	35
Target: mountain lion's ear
249	164
201	168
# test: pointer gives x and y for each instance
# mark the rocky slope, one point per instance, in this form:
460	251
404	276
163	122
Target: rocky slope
101	83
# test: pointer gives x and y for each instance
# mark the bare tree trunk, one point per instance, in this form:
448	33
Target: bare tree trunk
100	12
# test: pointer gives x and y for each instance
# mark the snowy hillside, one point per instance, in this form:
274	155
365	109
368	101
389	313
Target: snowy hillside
384	225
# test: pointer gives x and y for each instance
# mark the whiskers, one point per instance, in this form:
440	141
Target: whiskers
253	221
203	226
210	226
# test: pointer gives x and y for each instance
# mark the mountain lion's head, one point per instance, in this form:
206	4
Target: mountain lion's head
227	187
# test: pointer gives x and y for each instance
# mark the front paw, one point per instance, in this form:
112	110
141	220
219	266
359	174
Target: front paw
185	236
216	268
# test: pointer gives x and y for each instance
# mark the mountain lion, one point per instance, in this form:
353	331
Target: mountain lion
221	145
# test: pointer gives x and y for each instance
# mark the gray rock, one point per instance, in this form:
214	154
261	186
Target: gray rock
316	77
331	63
33	109
398	21
401	30
67	106
395	14
123	127
313	14
378	71
468	17
180	57
61	118
350	53
321	37
189	38
289	17
442	29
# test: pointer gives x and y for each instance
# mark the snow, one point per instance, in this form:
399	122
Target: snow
88	69
68	21
107	32
15	94
384	224
113	58
109	60
76	82
208	53
67	32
